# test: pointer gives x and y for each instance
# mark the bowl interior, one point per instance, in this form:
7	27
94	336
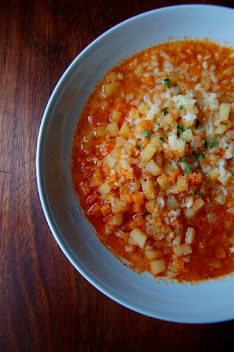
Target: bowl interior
205	302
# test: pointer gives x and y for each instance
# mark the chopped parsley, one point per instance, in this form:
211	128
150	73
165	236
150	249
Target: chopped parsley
181	107
205	144
198	167
179	93
198	123
167	83
183	160
224	123
213	144
147	134
187	169
133	180
200	194
165	111
178	134
179	228
161	139
194	193
201	156
175	85
140	146
181	128
158	124
146	213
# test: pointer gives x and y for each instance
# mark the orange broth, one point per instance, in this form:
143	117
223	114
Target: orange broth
152	160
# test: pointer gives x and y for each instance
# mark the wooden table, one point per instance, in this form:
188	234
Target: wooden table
45	304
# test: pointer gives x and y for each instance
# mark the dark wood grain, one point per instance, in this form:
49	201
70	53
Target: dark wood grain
45	304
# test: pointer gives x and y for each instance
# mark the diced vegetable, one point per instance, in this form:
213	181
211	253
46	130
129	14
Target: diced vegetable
110	88
148	152
113	129
225	179
124	130
224	112
139	237
157	266
190	235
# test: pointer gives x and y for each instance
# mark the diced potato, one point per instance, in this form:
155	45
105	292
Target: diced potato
139	237
186	248
116	220
124	130
168	168
119	206
148	189
187	135
111	76
221	198
113	129
150	205
153	168
182	183
115	153
215	263
133	114
226	179
105	188
143	108
128	146
189	213
115	115
213	173
190	235
229	71
120	142
153	254
163	182
110	161
110	88
224	112
157	266
101	131
221	129
198	204
178	251
171	202
148	152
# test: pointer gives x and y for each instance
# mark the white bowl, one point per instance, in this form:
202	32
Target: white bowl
211	301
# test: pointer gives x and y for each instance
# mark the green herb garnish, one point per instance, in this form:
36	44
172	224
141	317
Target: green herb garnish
146	213
165	111
179	228
167	82
140	146
181	128
147	134
179	93
194	193
175	85
187	169
200	194
133	180
224	123
198	123
205	144
213	144
183	160
178	134
161	139
181	107
198	167
158	124
201	156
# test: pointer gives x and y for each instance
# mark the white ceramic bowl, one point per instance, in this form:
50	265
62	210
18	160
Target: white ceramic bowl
211	301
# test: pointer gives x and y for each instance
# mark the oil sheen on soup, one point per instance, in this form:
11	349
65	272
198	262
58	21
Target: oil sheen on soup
152	160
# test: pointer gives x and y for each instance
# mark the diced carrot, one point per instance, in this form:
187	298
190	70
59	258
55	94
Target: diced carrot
106	209
145	124
174	175
136	208
138	198
92	198
95	210
105	168
113	178
126	197
195	178
179	263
